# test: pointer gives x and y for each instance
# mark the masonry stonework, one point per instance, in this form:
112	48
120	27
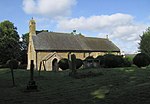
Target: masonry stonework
48	59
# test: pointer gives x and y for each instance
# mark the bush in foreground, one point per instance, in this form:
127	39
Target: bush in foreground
101	60
63	64
79	63
141	60
112	61
13	63
127	62
89	58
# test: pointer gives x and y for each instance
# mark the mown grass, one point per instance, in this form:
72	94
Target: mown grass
114	86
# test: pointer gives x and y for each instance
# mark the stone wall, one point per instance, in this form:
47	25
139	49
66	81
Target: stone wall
50	56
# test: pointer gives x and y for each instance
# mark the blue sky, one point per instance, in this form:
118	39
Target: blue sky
122	20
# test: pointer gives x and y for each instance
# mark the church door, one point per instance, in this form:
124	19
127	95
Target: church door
54	65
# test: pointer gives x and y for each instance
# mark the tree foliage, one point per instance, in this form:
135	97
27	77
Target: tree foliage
9	42
25	41
79	63
145	42
8	29
63	64
12	63
141	60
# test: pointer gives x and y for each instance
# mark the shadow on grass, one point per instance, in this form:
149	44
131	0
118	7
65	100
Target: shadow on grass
115	86
125	86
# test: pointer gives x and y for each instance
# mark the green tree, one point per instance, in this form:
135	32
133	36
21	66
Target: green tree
24	46
145	42
8	29
141	60
9	42
25	41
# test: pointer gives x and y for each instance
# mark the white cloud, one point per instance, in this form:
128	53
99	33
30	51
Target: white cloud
96	23
128	32
29	6
122	29
49	8
128	37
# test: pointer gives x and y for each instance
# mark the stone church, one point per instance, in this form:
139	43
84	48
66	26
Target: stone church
47	48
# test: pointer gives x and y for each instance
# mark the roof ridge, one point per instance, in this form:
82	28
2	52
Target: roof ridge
65	33
68	41
97	38
55	33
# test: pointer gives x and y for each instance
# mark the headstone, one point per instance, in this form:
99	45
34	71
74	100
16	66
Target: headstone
73	63
13	64
32	84
69	60
13	79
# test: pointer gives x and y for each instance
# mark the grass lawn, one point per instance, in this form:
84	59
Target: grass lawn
114	86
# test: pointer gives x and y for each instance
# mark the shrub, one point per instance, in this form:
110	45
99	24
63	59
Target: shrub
112	61
79	63
13	63
120	61
130	57
101	60
4	66
141	60
109	61
63	64
127	62
89	58
89	62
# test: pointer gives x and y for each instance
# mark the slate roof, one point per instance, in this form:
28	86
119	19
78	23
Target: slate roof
53	41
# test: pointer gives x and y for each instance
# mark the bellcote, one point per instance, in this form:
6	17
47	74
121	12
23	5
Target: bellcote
32	27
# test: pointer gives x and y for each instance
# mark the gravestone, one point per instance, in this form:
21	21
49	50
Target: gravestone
13	64
69	60
32	84
73	65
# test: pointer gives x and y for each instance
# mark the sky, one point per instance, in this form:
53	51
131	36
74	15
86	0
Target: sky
124	21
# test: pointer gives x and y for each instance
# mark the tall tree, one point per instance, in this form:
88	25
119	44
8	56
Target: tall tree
25	41
9	42
24	45
145	42
8	29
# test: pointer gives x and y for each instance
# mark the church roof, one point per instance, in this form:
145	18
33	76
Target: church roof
53	41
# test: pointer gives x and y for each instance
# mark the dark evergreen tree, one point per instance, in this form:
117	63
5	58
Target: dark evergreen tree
141	60
145	42
9	42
